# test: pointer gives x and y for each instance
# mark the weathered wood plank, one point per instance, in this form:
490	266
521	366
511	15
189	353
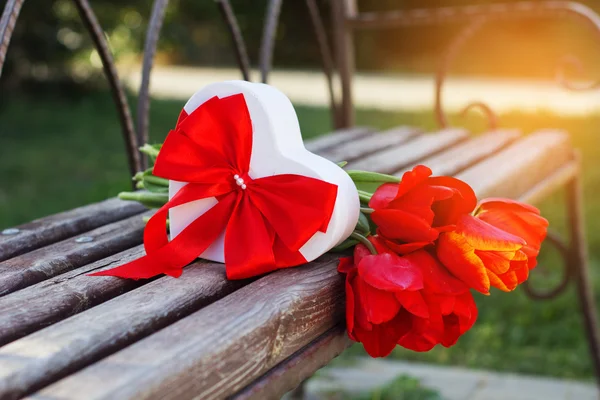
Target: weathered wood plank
47	262
324	142
302	365
45	356
47	302
463	155
407	154
54	228
220	349
369	144
552	183
517	168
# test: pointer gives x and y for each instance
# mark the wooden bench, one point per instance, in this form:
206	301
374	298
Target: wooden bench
64	335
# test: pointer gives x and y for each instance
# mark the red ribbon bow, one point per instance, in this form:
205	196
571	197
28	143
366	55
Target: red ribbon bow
266	220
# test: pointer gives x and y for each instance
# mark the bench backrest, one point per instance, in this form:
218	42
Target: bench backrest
347	20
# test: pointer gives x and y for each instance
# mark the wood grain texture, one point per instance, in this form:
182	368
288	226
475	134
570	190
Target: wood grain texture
47	302
520	166
552	183
220	349
463	155
302	365
50	261
369	144
54	228
396	158
324	142
45	356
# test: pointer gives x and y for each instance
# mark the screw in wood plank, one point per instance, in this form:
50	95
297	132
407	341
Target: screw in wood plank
11	231
84	239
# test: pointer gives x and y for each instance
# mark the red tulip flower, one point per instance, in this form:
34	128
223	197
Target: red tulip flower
496	247
519	219
411	214
412	301
374	315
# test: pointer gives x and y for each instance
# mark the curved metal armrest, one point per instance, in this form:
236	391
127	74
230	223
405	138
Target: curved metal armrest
477	16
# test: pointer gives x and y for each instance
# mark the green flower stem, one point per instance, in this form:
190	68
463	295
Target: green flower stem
149	150
367	176
151	200
364	196
147	218
138	177
155	180
357	236
366	210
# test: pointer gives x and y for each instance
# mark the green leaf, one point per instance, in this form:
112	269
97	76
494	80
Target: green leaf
342	164
370	181
346	244
363	224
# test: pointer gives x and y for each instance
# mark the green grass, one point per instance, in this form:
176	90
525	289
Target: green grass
58	154
401	388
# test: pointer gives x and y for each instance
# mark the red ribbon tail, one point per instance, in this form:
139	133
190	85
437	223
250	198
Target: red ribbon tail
183	249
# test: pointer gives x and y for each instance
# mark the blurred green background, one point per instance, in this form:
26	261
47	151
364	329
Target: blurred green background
61	145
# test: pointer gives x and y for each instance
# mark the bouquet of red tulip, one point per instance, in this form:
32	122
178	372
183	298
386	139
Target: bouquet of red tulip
409	284
239	187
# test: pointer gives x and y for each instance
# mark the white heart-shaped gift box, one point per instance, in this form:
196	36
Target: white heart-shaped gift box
277	148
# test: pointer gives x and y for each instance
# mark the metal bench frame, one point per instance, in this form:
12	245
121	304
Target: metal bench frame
346	21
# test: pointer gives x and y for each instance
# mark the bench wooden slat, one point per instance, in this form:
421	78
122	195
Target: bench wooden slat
47	302
42	357
465	154
262	332
369	144
396	158
45	231
47	262
517	168
302	365
220	349
324	142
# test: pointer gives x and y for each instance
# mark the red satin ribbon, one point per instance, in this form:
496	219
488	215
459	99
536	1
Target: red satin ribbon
265	224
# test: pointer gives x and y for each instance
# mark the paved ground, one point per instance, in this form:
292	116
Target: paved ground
382	91
451	382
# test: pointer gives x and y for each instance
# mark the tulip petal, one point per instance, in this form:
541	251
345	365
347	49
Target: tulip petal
461	320
483	236
436	278
459	257
529	226
390	272
383	195
407	248
506	282
413	302
381	340
446	303
360	251
379	306
350	305
463	201
413	178
403	226
345	265
495	202
496	261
